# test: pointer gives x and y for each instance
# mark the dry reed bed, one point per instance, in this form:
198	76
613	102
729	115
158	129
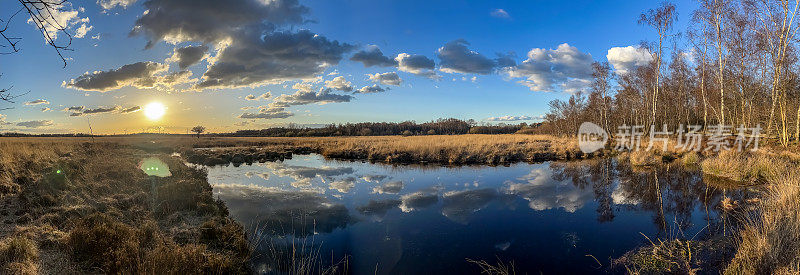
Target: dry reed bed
769	241
441	149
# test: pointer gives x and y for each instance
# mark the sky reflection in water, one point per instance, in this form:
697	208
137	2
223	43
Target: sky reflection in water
404	219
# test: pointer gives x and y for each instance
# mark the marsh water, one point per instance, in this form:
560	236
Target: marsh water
553	217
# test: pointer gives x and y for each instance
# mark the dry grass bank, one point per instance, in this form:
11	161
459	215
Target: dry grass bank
72	206
441	149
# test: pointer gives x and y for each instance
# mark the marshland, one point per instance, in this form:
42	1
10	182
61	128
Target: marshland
296	137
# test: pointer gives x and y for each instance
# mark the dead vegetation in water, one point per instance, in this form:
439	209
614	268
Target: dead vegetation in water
498	268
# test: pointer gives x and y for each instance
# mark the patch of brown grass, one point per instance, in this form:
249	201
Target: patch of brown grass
19	255
770	240
442	149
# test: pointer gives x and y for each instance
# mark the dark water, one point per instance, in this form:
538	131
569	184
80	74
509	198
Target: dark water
545	217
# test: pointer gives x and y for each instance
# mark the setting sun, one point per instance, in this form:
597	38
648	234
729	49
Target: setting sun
154	110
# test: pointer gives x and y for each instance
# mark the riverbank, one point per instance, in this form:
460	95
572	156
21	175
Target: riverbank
72	206
433	149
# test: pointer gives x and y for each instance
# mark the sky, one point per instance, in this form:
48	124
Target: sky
253	64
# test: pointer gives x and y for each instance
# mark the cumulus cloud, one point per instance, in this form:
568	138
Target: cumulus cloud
371	89
626	59
457	58
510	118
81	31
389	78
267	113
143	75
211	21
372	56
563	69
110	4
306	95
256	58
416	64
75	108
37	102
64	17
252	97
188	56
339	83
500	13
35	123
3	120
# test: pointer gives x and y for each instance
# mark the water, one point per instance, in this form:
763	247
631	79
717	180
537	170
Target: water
555	217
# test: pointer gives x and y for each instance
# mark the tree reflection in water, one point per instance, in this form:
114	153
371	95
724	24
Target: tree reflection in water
671	192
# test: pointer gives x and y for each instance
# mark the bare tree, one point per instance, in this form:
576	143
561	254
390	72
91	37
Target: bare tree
43	15
777	30
661	19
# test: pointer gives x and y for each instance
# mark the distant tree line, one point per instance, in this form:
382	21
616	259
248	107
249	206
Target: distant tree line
450	126
739	67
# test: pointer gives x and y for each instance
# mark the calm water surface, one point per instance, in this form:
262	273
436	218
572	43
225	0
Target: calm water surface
545	217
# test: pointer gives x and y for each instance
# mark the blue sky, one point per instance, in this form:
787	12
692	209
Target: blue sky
395	27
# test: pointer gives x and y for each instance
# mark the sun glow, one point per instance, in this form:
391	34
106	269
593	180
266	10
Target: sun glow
154	110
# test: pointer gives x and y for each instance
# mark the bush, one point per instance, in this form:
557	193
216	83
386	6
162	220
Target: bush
407	133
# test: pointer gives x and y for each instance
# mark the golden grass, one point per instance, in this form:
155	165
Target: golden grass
744	168
87	201
19	255
770	240
443	149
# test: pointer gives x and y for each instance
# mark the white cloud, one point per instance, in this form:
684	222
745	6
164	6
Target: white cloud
500	13
626	59
339	83
416	64
61	17
110	4
252	97
388	78
81	32
510	118
564	69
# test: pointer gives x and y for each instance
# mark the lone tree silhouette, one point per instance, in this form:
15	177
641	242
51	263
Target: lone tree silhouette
198	130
